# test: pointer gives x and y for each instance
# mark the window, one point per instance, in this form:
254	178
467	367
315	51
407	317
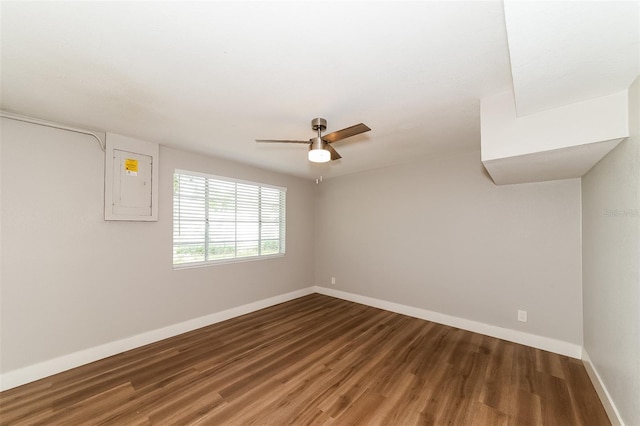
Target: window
218	219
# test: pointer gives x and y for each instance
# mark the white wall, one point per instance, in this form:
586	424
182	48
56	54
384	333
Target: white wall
440	236
611	268
71	281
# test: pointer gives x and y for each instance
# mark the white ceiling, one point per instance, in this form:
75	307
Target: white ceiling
213	76
571	51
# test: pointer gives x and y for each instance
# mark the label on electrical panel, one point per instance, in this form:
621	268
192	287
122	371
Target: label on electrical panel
131	167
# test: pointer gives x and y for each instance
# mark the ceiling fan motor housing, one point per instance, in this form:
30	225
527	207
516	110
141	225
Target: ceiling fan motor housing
317	143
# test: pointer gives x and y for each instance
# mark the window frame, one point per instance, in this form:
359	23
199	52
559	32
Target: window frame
207	239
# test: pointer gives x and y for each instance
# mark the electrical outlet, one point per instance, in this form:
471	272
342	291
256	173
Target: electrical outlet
333	280
522	316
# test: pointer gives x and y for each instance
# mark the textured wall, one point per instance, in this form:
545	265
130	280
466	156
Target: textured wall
71	281
611	267
439	235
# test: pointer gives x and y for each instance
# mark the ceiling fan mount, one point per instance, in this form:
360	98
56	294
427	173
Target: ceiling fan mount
319	124
320	150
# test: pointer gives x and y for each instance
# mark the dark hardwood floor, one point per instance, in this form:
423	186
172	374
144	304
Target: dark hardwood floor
316	360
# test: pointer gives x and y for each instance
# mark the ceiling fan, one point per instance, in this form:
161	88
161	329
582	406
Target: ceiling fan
320	150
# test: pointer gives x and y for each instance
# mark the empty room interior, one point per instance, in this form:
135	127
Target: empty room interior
320	213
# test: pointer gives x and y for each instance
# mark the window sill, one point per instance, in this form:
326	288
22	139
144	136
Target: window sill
224	261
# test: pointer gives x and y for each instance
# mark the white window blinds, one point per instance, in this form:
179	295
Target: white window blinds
218	219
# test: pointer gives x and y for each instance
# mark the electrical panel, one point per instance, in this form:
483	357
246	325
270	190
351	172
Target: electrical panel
131	179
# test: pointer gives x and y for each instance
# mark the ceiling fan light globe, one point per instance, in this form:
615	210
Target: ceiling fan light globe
319	155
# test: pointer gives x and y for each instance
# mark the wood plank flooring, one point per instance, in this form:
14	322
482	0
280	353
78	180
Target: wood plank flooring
316	360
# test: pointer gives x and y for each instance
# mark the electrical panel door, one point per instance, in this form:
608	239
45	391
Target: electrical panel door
131	183
131	179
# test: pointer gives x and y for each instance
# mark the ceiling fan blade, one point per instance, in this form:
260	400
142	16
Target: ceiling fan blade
280	141
346	133
334	153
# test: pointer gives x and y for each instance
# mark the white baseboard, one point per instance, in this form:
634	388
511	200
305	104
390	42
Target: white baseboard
539	342
601	390
47	368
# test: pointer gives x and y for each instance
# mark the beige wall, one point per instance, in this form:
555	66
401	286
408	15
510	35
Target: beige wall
71	281
611	267
439	235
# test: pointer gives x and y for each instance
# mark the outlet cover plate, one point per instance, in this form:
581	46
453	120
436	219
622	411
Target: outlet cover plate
522	315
